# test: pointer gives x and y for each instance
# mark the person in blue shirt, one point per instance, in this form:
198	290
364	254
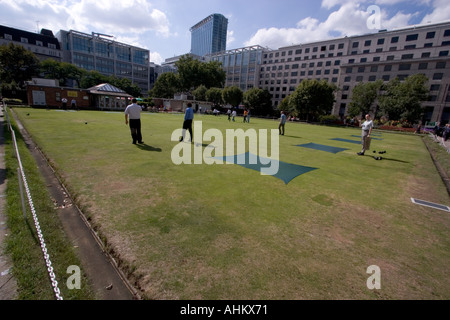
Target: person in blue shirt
188	118
282	123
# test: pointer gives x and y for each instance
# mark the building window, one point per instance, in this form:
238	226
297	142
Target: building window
355	44
380	41
407	56
443	53
390	58
367	43
372	78
438	76
430	35
447	33
385	77
24	40
440	65
388	68
435	87
373	68
404	67
423	66
394	39
412	37
426	54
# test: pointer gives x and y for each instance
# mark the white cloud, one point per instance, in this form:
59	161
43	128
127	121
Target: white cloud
117	16
350	18
230	37
441	12
156	57
114	17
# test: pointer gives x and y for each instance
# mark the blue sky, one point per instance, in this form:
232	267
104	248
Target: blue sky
163	26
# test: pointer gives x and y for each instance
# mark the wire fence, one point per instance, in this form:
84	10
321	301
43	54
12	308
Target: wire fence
24	185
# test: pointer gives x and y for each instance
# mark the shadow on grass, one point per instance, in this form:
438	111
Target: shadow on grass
390	159
146	147
297	137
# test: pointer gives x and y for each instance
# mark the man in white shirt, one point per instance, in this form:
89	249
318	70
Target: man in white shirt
133	116
367	127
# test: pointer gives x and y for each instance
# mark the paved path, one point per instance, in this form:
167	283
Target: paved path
8	286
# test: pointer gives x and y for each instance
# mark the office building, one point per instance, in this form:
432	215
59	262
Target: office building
348	61
209	35
101	53
44	44
242	66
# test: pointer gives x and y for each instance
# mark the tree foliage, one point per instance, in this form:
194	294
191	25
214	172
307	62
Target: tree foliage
192	73
258	100
166	86
312	98
62	71
17	64
364	95
232	95
214	95
402	100
200	93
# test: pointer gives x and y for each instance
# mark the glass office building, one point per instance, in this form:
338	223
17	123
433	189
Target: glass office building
242	66
209	35
109	57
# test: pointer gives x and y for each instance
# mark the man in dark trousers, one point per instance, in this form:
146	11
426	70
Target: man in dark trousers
187	123
133	114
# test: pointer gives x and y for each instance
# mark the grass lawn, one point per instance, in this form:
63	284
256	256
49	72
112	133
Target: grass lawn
227	232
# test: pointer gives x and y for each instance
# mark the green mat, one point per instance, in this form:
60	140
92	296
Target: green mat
286	171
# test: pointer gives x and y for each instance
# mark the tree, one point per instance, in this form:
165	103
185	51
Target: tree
166	86
402	100
92	79
17	64
363	97
313	98
259	100
213	75
193	73
126	85
62	71
200	93
232	95
286	106
214	95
